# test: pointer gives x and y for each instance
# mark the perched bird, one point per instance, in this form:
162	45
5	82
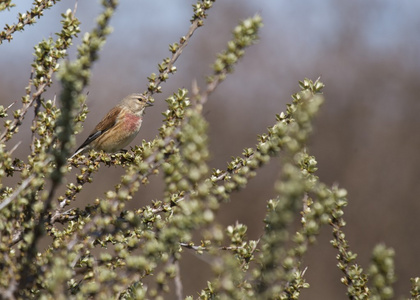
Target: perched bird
119	127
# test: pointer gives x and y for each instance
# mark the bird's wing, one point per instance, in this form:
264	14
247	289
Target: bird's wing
107	122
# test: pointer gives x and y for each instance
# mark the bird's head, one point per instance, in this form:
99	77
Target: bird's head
136	103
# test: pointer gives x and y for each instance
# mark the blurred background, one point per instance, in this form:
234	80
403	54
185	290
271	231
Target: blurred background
366	137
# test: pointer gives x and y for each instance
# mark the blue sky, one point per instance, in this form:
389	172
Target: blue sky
390	21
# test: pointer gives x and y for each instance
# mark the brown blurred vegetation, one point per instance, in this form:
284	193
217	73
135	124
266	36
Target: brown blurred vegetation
366	139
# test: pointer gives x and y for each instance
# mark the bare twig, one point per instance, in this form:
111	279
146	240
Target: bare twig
15	147
177	280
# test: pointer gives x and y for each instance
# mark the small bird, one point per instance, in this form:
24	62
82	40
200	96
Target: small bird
118	128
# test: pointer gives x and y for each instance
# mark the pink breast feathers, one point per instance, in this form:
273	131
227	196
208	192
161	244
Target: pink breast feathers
132	122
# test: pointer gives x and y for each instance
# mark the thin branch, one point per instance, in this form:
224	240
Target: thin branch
25	19
169	68
177	280
227	248
16	193
15	147
25	107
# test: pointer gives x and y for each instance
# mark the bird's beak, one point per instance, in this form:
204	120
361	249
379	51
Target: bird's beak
148	103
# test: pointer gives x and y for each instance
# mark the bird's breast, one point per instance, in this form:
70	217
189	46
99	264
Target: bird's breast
132	122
